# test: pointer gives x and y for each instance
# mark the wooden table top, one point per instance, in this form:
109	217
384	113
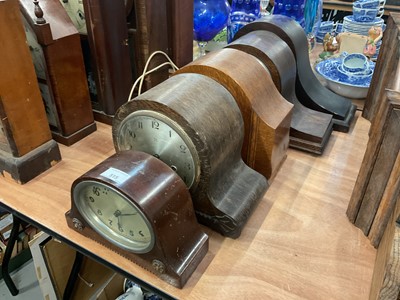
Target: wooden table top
297	245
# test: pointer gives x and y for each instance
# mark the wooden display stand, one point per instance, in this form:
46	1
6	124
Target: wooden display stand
26	147
63	80
309	129
309	89
266	114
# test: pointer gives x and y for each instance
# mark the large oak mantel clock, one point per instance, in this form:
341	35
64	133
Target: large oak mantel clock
136	205
26	146
193	124
56	50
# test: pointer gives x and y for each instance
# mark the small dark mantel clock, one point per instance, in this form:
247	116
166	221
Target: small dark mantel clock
26	146
136	205
57	55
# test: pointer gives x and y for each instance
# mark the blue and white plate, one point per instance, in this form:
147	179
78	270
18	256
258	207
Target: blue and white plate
350	87
350	19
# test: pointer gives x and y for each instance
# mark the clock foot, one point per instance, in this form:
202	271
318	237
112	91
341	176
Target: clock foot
233	198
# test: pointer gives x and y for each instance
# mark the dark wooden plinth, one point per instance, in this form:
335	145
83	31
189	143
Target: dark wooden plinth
100	116
309	90
309	129
24	168
76	136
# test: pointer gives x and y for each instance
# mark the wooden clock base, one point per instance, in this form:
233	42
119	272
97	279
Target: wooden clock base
76	136
24	168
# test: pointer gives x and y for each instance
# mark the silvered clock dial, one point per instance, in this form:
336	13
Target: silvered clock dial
114	216
154	133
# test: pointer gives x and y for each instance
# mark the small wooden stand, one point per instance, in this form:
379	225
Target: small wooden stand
266	114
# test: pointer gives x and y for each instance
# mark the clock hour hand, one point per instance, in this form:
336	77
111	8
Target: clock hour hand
118	214
128	214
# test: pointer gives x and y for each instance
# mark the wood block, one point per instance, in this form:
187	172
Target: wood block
385	68
309	129
266	114
309	90
26	146
56	44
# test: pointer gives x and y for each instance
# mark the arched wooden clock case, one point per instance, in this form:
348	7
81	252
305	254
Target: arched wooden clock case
139	207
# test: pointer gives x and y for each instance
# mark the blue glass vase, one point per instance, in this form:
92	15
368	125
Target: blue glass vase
312	19
209	18
291	8
242	13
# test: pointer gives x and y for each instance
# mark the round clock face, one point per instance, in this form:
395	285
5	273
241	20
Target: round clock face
158	135
114	216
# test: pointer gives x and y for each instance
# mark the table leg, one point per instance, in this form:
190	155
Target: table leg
7	256
73	276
